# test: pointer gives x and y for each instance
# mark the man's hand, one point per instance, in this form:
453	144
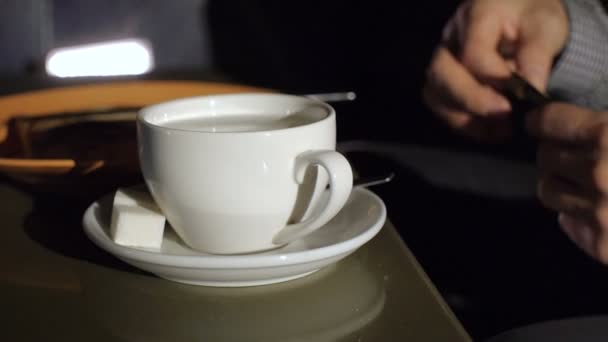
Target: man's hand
483	43
573	164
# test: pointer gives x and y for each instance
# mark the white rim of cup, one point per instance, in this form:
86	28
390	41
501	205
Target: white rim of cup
144	113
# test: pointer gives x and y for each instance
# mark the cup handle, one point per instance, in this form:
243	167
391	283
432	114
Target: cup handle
341	184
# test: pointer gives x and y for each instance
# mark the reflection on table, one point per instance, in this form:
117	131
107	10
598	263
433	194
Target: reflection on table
59	286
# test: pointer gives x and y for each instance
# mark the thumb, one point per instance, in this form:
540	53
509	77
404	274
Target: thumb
534	64
534	59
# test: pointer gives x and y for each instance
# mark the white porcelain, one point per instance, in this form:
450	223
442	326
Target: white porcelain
236	192
360	220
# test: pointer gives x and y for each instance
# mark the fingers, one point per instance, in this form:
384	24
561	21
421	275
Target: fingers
480	45
543	35
562	196
534	63
580	232
536	31
583	218
573	161
575	165
574	145
469	107
587	236
569	124
450	85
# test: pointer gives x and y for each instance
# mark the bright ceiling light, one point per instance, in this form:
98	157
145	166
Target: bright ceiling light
114	58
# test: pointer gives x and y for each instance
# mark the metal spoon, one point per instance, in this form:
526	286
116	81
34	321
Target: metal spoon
334	97
371	181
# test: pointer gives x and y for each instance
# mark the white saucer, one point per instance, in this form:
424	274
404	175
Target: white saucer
358	222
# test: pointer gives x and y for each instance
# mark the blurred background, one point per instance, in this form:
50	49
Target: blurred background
378	49
468	211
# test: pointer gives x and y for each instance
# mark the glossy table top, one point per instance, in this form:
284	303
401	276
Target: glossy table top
56	285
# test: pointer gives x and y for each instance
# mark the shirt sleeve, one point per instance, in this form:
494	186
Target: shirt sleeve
580	74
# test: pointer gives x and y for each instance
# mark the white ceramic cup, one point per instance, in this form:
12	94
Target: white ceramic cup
229	190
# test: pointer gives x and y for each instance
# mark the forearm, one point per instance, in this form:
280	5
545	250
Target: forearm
580	74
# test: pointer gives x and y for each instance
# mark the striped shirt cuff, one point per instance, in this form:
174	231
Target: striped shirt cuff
584	61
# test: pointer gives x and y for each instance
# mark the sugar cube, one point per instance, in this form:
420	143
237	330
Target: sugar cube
137	196
137	226
136	219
